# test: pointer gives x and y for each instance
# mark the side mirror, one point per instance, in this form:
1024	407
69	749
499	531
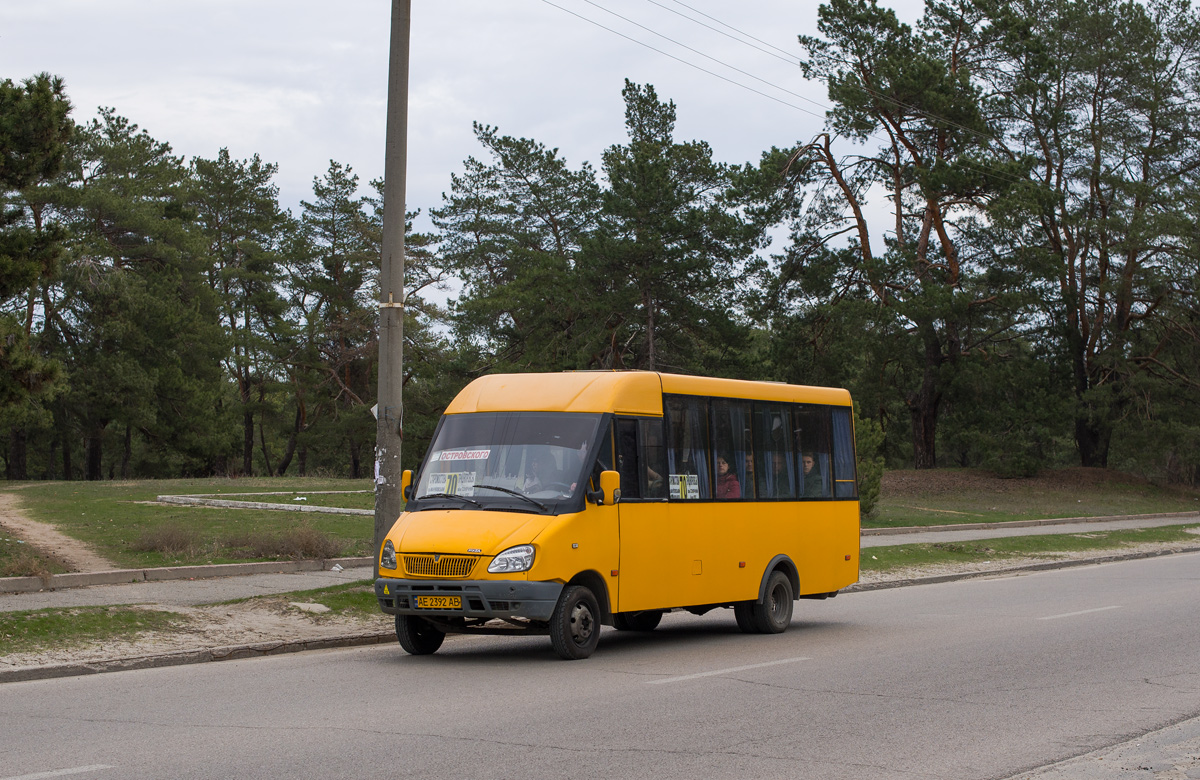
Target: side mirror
610	487
406	487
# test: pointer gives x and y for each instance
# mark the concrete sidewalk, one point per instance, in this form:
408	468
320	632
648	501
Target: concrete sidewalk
186	592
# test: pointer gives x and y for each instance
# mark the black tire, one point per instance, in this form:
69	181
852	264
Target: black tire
575	624
744	612
637	621
773	614
417	635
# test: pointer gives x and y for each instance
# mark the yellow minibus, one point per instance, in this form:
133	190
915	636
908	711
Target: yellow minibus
558	503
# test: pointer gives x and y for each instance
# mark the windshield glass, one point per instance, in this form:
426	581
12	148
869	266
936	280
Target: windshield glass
512	460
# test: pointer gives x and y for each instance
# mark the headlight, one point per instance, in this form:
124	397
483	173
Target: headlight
518	558
387	558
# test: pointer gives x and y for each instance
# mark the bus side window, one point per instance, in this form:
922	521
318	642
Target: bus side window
653	456
688	474
774	463
845	481
627	458
731	438
813	444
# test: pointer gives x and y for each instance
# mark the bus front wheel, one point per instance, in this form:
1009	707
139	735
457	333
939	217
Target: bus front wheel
418	636
575	624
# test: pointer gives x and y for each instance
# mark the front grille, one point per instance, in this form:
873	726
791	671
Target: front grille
447	566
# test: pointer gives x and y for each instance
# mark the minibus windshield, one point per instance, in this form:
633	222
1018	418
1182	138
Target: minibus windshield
525	461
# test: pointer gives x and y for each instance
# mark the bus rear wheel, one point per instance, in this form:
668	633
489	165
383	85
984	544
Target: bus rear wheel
417	635
744	612
773	613
636	621
575	624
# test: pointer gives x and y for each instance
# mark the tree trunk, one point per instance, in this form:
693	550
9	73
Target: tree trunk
1093	439
247	443
924	404
93	454
355	461
49	473
262	438
291	445
127	454
66	445
17	467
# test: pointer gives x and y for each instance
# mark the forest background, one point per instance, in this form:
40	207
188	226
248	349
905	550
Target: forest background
993	246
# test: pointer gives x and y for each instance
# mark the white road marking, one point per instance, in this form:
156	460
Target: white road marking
1082	612
720	671
78	770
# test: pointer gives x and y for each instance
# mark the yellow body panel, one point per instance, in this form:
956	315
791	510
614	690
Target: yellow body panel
622	392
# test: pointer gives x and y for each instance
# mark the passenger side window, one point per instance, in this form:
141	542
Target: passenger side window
653	458
627	459
773	464
845	480
812	437
687	448
731	437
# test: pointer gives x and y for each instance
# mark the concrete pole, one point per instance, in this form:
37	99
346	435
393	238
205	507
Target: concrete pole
389	431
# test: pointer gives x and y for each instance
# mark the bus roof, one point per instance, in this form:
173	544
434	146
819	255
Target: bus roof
622	392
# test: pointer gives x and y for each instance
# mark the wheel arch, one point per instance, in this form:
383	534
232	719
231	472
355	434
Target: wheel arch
599	588
784	564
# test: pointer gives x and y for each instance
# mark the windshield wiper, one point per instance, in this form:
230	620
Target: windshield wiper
450	495
516	493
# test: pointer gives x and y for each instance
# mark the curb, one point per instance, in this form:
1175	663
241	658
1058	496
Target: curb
184	657
1047	566
917	529
261	649
122	576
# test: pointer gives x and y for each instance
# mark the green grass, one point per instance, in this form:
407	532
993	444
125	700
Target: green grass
982	499
42	629
882	559
352	599
114	516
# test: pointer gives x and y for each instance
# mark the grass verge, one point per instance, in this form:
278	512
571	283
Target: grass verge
954	496
352	599
123	523
41	629
1049	547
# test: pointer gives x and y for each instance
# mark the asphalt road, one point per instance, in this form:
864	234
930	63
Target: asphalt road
973	679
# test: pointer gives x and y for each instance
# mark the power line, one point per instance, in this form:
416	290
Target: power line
874	93
826	108
707	56
782	55
685	62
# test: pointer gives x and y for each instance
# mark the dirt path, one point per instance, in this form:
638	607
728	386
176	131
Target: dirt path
72	552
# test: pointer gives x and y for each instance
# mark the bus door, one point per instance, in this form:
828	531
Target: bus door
656	555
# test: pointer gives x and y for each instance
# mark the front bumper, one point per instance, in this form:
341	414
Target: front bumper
480	598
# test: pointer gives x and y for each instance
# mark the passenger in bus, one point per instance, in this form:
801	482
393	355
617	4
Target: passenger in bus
781	483
727	482
813	484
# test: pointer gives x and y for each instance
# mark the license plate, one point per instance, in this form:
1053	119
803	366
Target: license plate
439	602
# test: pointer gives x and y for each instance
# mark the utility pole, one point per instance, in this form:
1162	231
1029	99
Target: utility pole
389	430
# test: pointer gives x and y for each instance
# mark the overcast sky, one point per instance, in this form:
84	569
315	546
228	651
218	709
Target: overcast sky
301	82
